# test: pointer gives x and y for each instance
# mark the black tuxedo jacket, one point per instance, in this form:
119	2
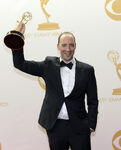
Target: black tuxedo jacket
85	84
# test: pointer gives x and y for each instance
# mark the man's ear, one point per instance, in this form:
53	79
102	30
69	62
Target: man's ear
58	46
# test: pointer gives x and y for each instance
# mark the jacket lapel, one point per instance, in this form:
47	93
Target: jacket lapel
57	75
78	75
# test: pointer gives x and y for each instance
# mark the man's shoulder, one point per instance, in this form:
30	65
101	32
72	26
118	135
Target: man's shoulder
52	59
84	65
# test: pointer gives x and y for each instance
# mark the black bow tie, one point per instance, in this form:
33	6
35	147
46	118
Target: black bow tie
69	65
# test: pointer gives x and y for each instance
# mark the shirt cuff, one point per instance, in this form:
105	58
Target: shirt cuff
92	130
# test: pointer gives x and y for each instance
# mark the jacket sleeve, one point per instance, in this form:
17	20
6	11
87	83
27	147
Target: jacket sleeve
92	99
30	67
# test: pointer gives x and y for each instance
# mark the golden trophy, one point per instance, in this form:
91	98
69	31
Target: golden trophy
114	56
15	39
48	25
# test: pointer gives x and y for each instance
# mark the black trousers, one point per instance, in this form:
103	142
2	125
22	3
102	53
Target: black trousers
61	137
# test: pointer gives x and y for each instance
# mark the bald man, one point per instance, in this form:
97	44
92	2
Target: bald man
63	113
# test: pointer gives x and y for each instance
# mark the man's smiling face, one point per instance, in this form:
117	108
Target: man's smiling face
67	47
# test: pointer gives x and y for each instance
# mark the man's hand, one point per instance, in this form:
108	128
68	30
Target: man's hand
20	27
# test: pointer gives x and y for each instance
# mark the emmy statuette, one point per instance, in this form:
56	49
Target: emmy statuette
15	39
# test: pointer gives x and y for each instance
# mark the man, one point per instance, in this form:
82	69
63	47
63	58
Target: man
63	113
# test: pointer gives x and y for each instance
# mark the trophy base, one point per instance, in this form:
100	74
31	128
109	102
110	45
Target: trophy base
14	40
116	91
48	26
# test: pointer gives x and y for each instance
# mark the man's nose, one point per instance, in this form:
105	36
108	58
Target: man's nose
68	48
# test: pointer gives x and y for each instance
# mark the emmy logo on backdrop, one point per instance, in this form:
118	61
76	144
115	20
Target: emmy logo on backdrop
15	39
113	56
3	104
116	141
113	9
42	85
47	25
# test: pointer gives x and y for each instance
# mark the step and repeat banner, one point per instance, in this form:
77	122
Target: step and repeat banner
97	28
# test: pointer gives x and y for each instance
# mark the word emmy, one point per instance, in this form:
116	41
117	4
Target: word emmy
15	39
48	25
113	9
113	56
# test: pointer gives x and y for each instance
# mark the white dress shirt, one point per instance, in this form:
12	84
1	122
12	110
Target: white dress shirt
68	81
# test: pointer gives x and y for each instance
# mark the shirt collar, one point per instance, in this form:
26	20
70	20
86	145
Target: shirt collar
72	60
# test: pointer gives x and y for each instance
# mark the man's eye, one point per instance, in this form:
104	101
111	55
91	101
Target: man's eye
63	45
72	45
